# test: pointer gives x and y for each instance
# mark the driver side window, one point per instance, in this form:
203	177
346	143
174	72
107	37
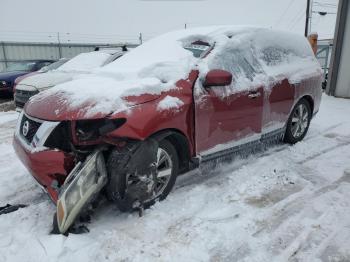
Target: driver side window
243	65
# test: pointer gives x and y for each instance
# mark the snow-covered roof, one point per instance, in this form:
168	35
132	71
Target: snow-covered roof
167	53
255	56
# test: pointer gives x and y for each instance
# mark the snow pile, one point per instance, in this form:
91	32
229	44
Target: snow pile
8	116
255	56
169	102
85	62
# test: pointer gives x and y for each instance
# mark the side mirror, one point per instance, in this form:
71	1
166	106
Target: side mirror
217	77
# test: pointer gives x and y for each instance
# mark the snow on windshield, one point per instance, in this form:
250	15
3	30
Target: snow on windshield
255	56
85	62
163	57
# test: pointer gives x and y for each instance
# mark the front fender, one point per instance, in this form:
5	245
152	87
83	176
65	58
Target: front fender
147	119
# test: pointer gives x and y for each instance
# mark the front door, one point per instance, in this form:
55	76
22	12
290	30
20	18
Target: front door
228	116
224	122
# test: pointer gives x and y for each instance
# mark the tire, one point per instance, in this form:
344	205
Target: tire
117	168
55	230
298	123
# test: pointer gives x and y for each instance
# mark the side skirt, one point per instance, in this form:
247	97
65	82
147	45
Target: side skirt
242	151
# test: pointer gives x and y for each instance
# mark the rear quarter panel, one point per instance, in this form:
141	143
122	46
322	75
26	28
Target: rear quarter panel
311	87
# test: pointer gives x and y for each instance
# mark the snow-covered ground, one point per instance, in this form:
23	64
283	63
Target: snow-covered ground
290	203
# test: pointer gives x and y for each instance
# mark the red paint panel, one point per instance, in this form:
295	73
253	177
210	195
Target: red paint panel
278	104
44	166
147	119
221	120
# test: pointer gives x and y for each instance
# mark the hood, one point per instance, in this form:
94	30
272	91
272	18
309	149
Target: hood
11	76
93	97
45	80
57	108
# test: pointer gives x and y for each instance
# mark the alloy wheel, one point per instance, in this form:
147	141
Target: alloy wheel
300	121
164	171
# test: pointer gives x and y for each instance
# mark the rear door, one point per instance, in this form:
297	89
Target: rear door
278	105
280	100
231	115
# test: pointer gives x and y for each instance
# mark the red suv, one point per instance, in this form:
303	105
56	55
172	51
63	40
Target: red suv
166	107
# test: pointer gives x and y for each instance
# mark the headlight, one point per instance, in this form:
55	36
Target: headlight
89	130
82	184
4	83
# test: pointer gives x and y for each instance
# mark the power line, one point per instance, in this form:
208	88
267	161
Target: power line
296	18
285	11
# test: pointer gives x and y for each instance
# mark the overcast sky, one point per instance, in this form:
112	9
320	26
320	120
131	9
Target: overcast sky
123	20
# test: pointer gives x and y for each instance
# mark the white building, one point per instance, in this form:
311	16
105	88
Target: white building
339	74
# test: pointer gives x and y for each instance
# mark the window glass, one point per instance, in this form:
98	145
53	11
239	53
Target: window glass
198	48
240	62
276	55
20	66
53	66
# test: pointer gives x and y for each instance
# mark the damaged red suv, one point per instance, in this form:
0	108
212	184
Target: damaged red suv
172	104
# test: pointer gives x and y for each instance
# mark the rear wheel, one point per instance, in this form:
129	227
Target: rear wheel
126	189
298	122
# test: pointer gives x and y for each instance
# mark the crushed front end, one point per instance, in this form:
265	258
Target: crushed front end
67	159
43	148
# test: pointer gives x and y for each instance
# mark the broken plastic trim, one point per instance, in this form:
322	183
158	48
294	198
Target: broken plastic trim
84	182
87	130
10	208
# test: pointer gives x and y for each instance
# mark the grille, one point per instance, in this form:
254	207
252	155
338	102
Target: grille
60	137
30	130
22	97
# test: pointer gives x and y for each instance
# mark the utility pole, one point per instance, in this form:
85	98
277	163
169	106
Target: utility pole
59	45
307	21
185	26
140	38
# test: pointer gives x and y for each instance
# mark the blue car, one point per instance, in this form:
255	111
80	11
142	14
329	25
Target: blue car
8	76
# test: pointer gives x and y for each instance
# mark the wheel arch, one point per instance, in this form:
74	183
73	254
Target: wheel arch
310	100
181	144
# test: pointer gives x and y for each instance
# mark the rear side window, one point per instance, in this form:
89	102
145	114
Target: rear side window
273	56
245	64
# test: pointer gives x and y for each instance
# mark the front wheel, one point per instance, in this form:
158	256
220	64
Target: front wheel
298	122
126	189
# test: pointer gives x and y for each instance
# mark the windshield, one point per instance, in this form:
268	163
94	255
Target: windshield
198	48
54	66
85	62
20	66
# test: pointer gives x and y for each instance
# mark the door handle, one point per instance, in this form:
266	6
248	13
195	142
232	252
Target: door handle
254	95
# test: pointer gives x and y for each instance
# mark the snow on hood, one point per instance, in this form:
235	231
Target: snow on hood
100	96
45	80
256	56
170	102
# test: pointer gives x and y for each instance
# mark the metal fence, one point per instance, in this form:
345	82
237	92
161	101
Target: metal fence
14	52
